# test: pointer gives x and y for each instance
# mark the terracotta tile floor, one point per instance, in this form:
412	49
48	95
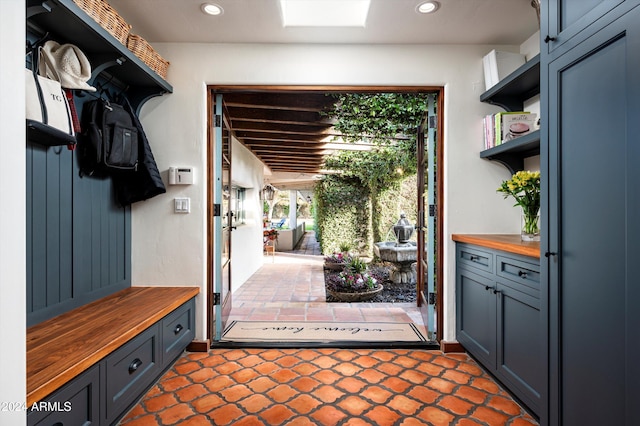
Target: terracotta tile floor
322	386
290	286
326	387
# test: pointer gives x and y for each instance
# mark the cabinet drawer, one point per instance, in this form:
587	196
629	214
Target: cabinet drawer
519	271
177	331
76	403
130	369
473	258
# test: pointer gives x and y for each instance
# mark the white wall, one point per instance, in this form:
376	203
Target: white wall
170	249
246	239
176	125
13	266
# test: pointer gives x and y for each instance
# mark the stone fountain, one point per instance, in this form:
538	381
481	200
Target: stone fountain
402	253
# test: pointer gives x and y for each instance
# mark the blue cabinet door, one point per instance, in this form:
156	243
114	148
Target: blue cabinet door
519	353
594	205
566	20
476	315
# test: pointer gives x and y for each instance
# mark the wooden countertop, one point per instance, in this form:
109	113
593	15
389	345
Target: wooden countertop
62	348
510	243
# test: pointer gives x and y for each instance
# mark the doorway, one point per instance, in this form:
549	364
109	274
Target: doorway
302	146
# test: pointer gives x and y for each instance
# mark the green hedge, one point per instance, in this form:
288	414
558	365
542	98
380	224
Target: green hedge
342	215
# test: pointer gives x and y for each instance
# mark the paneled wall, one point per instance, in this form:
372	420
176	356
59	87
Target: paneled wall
78	237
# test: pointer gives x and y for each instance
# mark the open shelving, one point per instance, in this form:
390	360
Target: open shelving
510	94
512	154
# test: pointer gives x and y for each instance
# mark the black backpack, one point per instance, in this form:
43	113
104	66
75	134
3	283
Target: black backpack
110	142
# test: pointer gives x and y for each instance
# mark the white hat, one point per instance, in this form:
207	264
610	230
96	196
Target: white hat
67	64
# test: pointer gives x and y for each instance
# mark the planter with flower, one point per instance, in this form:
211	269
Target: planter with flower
354	283
270	234
524	187
348	287
337	261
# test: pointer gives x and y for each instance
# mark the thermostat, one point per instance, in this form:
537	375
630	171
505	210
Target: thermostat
180	175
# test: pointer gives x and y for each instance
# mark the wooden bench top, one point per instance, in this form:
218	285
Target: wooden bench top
510	243
61	348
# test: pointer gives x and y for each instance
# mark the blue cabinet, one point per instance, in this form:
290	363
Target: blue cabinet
77	403
591	206
102	394
569	20
498	317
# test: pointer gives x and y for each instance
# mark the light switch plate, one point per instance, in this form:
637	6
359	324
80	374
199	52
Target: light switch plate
182	205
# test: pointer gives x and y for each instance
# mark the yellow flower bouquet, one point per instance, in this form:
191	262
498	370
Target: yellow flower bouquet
524	187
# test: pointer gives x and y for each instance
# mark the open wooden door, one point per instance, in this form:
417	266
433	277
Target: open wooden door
221	221
426	229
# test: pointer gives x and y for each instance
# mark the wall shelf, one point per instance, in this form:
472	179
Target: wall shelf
67	23
510	94
512	154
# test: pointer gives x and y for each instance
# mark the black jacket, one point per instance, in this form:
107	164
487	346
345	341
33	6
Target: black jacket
145	182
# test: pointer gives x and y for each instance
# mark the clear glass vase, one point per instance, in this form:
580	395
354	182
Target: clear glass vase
530	227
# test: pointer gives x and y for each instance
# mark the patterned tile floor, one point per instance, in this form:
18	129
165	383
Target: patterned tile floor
290	286
326	387
322	386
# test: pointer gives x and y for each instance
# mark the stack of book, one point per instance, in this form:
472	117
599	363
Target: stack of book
505	126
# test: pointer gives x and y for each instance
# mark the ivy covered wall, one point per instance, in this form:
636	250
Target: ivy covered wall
344	215
401	198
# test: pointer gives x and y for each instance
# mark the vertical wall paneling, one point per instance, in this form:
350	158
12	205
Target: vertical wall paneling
49	220
79	238
102	234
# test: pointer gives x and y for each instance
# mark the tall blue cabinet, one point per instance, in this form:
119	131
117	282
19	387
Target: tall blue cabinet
590	158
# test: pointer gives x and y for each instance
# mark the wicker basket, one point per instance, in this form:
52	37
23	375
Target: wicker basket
107	17
143	50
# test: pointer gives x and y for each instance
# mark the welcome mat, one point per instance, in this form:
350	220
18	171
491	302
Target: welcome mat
321	332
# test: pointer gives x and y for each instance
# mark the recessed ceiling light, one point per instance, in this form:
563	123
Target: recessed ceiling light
324	13
428	7
212	9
